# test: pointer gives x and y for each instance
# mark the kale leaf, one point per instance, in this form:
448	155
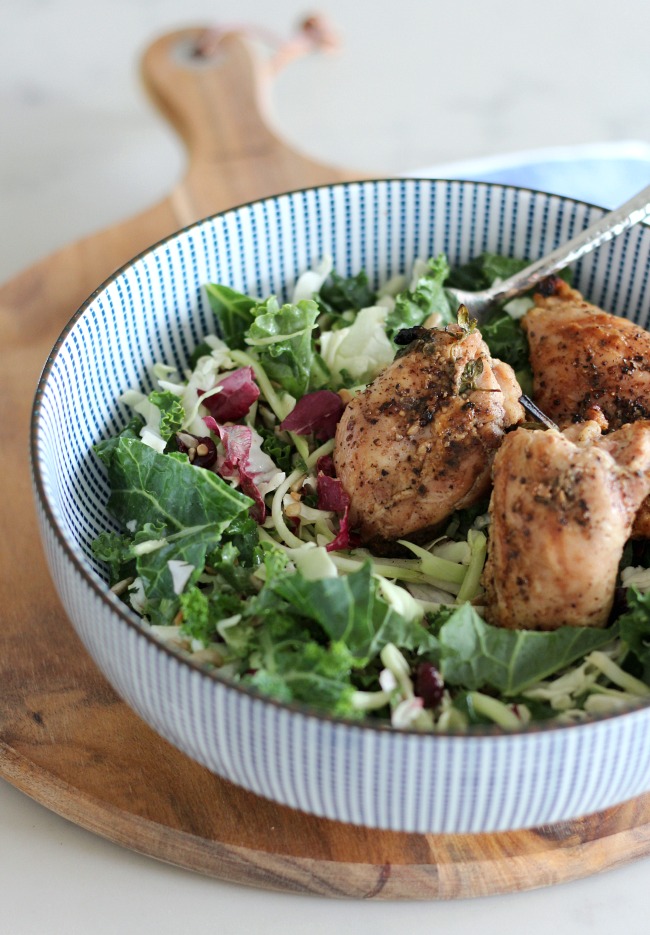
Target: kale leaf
339	294
171	412
478	656
634	625
506	339
148	487
484	269
350	609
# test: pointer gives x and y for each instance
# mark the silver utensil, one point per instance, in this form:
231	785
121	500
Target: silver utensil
598	233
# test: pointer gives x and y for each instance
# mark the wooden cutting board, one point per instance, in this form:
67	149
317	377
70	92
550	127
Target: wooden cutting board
66	739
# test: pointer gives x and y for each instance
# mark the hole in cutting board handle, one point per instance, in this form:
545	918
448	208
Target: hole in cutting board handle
184	53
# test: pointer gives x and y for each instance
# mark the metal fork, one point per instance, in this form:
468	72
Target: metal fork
598	233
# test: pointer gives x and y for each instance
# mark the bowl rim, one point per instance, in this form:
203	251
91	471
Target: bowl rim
134	622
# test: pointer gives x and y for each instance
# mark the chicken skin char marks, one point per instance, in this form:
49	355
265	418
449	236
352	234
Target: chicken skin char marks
418	443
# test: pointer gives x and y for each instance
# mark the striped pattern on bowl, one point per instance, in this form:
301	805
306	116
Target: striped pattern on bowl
154	309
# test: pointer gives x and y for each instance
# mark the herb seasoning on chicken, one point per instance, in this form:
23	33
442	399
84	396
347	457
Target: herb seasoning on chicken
585	360
562	510
588	364
418	443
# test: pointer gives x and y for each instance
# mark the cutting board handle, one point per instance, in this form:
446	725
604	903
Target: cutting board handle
212	100
218	103
212	91
213	84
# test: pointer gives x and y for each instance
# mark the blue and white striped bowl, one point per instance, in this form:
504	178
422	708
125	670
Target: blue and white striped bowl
154	309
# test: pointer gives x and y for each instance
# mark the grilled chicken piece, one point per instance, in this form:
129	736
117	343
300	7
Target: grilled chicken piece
418	443
562	509
585	360
588	364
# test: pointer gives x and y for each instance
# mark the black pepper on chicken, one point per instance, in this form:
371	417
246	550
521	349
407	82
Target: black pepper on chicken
586	361
562	509
588	364
419	441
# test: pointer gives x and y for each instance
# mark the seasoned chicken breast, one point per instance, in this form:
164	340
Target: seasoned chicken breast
585	360
418	443
588	364
562	508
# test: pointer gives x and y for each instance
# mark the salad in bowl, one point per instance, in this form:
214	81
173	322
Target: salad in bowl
308	506
298	515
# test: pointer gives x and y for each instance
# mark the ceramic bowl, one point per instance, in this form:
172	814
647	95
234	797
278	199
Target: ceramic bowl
154	309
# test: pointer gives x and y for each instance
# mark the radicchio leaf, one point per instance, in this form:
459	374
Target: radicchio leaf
345	539
331	495
325	465
316	413
244	460
238	393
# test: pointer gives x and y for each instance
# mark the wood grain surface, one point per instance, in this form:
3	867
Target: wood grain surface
66	739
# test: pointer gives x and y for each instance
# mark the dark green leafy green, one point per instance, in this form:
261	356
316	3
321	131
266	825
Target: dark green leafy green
197	620
351	609
275	561
503	334
231	570
483	270
147	487
414	306
243	535
506	339
203	611
339	294
114	550
280	451
303	670
233	311
477	656
634	625
176	513
154	570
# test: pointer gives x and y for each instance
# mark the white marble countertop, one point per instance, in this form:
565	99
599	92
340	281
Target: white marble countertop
414	84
